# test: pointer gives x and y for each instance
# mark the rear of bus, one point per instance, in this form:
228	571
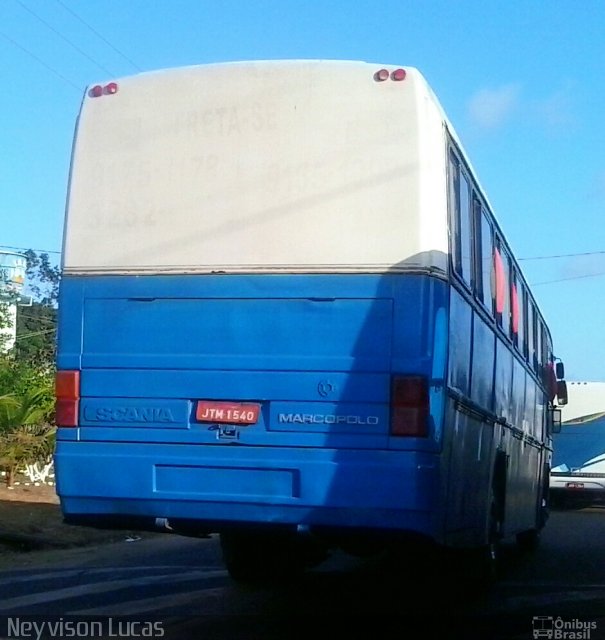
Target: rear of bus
253	311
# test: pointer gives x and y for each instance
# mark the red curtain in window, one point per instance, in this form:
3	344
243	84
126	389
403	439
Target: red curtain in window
515	308
500	281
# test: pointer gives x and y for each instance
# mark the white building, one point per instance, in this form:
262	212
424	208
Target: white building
12	277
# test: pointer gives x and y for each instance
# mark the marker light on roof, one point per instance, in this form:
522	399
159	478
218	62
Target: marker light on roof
398	74
96	91
111	88
382	75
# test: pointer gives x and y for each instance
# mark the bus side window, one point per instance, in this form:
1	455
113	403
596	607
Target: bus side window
453	210
518	309
502	267
526	329
486	259
506	314
466	234
545	356
546	349
538	347
460	220
531	336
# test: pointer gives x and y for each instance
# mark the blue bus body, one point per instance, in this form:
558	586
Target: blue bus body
277	312
317	352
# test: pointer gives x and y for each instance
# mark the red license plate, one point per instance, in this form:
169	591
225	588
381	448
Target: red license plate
227	412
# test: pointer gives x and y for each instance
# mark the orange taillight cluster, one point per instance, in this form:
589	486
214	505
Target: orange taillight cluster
410	406
67	393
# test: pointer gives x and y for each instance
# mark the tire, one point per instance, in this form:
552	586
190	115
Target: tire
484	565
419	558
469	572
484	562
528	541
259	557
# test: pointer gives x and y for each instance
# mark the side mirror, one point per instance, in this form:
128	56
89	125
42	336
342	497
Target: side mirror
556	421
560	370
561	392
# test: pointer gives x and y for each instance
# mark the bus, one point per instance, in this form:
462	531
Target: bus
288	314
577	477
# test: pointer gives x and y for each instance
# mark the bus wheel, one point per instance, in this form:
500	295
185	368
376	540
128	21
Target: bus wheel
483	565
528	541
261	556
471	570
484	561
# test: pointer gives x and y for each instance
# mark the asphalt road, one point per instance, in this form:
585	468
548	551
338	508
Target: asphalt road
181	583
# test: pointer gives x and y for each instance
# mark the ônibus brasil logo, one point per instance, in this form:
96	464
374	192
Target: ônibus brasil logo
552	628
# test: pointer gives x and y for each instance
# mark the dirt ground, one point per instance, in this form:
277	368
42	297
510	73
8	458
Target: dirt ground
31	521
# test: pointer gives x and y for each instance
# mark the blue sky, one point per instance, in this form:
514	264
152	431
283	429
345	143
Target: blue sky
522	83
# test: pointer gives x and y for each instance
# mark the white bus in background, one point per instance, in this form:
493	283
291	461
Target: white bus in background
578	470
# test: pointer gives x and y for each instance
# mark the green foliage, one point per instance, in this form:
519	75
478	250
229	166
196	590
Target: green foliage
27	433
24	436
16	411
42	278
36	325
21	379
36	330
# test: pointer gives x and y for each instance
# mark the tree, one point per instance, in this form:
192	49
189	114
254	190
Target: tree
36	325
18	378
26	414
27	373
42	278
24	436
36	332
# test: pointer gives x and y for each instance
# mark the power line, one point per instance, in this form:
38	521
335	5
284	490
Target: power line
105	40
564	255
5	246
64	38
43	320
40	61
35	333
588	275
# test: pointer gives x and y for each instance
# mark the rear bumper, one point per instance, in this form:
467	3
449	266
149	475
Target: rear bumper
561	497
218	485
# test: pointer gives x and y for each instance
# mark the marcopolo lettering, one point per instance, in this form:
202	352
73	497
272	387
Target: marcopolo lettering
319	418
128	414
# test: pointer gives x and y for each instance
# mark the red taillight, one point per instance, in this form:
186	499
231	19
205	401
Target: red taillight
381	75
66	413
409	406
398	74
67	392
67	385
109	89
